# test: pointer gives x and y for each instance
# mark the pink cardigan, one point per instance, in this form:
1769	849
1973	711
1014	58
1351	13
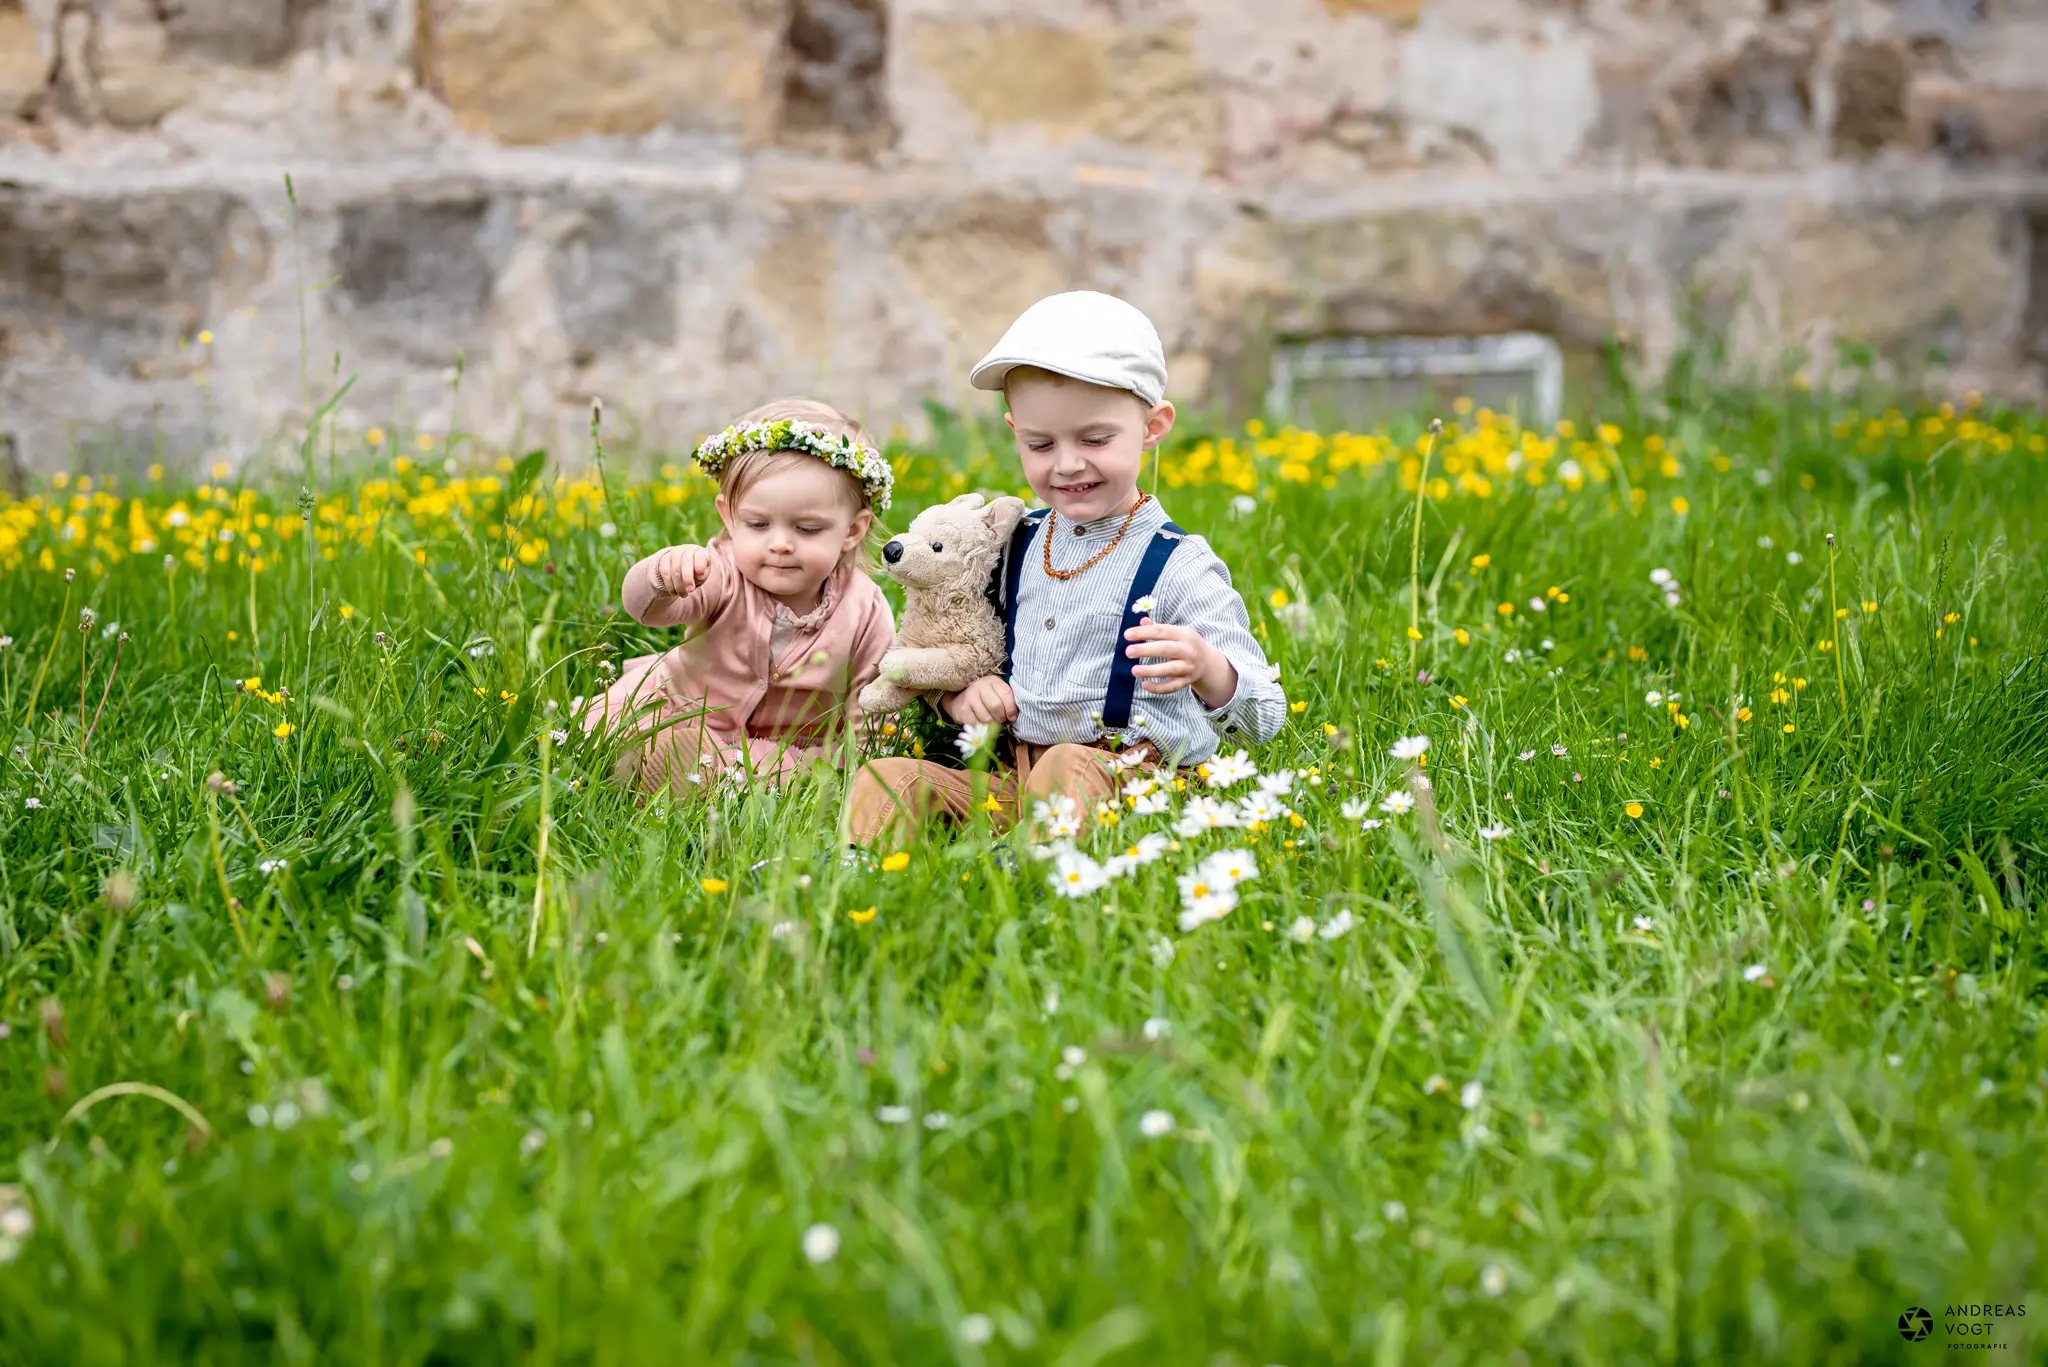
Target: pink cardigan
797	698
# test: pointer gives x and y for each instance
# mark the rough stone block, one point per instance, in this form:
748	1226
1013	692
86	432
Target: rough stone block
117	280
614	278
833	93
251	32
1139	86
531	71
24	66
1971	124
1913	282
1747	110
417	274
980	263
1871	81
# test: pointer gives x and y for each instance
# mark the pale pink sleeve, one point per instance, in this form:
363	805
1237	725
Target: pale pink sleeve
877	633
650	600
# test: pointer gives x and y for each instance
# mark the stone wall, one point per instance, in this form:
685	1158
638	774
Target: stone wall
686	206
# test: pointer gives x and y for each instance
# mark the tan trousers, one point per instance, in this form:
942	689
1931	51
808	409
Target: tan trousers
895	797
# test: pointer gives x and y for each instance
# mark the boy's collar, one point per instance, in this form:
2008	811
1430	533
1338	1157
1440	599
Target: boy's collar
1150	516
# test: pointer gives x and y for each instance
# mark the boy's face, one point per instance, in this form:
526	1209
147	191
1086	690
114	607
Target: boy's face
1082	445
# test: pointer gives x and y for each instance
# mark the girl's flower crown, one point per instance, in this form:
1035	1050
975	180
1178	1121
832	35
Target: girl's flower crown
844	453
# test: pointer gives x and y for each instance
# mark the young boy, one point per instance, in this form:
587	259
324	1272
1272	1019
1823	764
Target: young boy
1121	626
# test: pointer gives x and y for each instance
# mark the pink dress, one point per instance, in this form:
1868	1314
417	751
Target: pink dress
753	686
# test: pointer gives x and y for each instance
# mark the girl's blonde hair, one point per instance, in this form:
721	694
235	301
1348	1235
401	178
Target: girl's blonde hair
748	468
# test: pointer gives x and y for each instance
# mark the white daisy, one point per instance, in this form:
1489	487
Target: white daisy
1155	1124
1225	770
1157	1028
1526	755
1338	926
1393	804
1559	751
1139	787
1303	930
1644	923
1230	866
1076	875
1472	1095
974	738
1144	606
1371	823
1660	576
1148	849
1653	698
893	1115
1262	807
1495	832
1279	783
1058	817
1410	747
821	1243
1212	907
1755	973
1152	804
1354	807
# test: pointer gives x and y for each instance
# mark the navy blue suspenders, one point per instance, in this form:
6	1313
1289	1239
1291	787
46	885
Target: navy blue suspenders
1013	571
1123	684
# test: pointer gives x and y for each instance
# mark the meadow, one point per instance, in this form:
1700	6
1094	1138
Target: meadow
1681	1001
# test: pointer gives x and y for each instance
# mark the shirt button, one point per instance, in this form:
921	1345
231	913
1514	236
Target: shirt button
1079	530
1048	624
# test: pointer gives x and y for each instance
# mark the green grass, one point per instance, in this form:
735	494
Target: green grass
610	1149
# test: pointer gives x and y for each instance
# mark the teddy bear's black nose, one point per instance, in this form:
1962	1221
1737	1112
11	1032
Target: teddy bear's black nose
893	552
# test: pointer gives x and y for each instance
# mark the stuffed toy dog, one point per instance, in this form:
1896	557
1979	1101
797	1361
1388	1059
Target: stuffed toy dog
952	631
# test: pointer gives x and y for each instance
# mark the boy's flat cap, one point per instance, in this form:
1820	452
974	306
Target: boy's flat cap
1086	336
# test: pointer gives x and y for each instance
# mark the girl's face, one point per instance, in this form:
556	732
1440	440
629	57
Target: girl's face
1082	445
790	529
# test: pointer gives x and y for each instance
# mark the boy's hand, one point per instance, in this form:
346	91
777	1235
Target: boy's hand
681	569
987	699
1181	659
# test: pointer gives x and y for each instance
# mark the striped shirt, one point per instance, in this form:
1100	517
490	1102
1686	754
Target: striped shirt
1067	636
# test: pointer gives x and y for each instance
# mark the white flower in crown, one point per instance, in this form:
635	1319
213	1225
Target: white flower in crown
843	453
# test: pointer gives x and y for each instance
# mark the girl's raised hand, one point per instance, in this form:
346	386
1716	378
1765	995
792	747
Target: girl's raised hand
681	569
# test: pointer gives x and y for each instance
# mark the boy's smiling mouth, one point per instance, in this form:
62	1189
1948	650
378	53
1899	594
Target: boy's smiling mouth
1072	490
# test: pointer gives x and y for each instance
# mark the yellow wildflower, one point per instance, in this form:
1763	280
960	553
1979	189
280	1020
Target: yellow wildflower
861	918
283	730
897	862
714	886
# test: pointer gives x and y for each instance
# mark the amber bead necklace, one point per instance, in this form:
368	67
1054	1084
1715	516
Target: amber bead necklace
1052	521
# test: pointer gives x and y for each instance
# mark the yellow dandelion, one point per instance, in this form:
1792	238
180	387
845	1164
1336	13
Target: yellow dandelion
1462	636
1506	609
347	612
1279	599
1297	707
1414	635
1680	506
1480	562
375	436
897	862
283	730
206	337
1742	714
1790	728
1869	606
861	918
506	699
714	886
1634	810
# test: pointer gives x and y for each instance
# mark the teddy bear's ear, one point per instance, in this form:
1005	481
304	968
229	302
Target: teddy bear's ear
967	501
1003	514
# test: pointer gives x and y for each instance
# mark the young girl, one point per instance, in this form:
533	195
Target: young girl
785	627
